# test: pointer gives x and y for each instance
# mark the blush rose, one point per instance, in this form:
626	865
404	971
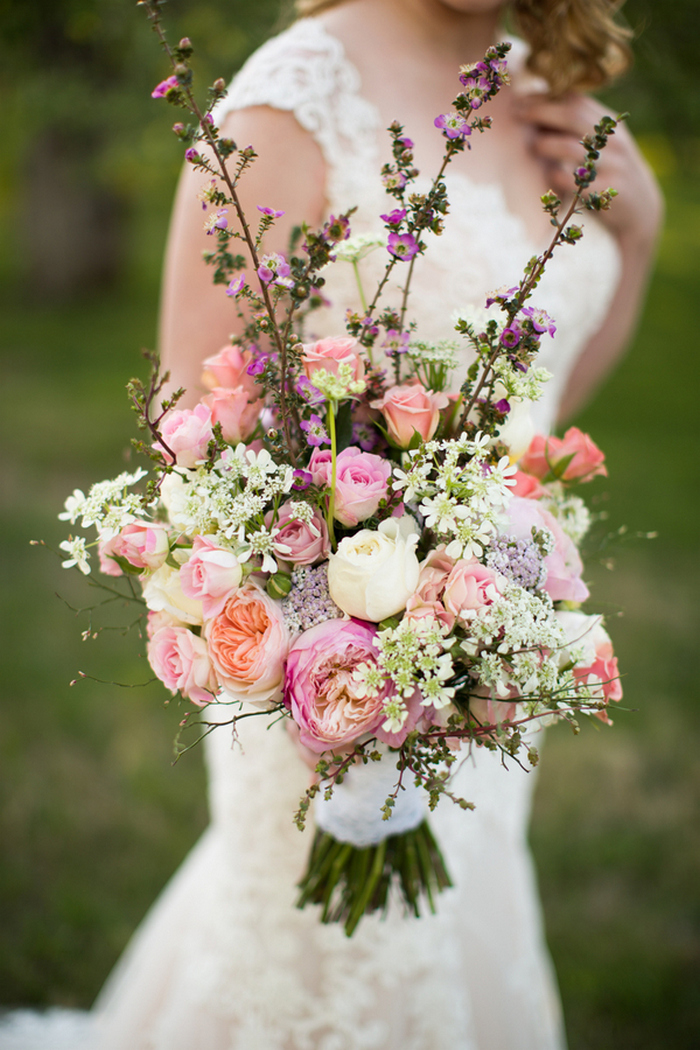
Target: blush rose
180	660
546	456
563	565
187	432
210	575
300	542
329	354
409	410
233	409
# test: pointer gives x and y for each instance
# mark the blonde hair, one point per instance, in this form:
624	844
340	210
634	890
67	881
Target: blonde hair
574	44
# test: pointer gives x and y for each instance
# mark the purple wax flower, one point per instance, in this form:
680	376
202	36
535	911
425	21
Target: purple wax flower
395	343
402	246
500	295
395	217
453	125
302	480
541	321
315	431
160	90
192	155
270	211
365	436
394	180
337	229
406	142
510	336
502	406
306	389
236	285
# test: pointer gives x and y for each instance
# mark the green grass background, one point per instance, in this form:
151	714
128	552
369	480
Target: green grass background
94	816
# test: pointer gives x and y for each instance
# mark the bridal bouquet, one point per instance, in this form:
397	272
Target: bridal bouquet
349	534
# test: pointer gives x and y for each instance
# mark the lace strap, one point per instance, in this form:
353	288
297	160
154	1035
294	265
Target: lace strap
304	71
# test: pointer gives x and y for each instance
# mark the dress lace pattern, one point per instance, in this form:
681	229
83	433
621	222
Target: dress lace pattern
224	961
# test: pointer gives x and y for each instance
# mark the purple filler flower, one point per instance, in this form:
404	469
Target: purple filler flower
395	343
270	211
453	125
160	90
394	180
402	246
192	155
541	321
395	217
510	336
306	389
316	433
236	285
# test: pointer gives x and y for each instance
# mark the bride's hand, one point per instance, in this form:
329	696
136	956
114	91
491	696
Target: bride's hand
557	129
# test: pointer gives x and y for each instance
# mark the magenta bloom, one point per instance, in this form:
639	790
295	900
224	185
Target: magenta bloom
541	321
270	211
396	342
453	125
315	431
402	246
160	90
395	217
236	285
321	691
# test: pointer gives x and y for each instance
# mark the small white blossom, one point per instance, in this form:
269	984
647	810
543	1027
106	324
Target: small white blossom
77	554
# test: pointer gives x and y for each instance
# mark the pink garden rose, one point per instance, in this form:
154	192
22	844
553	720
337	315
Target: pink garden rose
469	587
434	572
180	660
248	643
361	481
156	620
229	369
563	565
411	409
329	354
302	543
187	432
144	544
527	486
546	454
325	699
210	576
598	667
235	411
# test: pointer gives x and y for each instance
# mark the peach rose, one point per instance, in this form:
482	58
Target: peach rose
234	410
410	410
248	644
571	458
229	369
329	354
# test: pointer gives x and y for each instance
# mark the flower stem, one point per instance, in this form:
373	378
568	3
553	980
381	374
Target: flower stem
334	466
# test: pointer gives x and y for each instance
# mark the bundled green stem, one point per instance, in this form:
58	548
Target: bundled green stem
349	881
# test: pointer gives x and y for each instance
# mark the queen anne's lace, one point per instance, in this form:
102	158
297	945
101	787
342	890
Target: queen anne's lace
225	961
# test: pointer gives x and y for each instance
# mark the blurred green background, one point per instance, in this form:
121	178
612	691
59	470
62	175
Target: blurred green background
94	817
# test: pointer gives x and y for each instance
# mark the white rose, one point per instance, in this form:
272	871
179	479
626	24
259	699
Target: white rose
162	592
518	430
173	495
373	574
583	635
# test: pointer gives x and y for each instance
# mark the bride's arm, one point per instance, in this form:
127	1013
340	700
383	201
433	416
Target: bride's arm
634	219
196	317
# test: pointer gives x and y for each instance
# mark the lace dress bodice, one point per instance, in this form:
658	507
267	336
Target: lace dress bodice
484	246
224	961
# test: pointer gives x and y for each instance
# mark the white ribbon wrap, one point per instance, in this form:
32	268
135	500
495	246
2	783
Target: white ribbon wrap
353	813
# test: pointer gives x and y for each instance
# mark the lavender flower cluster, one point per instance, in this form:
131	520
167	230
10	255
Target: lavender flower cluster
519	561
309	602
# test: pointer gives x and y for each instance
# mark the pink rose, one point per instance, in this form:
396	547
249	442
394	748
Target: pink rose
229	369
527	486
210	575
469	587
156	620
597	668
234	410
434	572
300	542
361	481
549	456
180	659
409	410
248	643
144	544
329	354
325	699
563	565
187	432
417	609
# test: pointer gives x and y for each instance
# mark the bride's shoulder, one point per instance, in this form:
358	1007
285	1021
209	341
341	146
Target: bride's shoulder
302	66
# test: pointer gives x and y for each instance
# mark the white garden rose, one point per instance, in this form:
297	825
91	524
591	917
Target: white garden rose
373	574
518	430
162	592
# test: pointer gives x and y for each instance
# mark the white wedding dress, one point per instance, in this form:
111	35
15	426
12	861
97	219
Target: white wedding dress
224	961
